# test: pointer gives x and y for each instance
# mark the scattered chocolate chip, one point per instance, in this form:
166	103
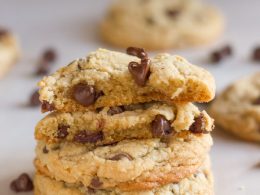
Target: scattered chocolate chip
220	54
120	156
115	110
256	101
43	68
22	184
198	125
3	32
84	94
45	150
172	13
140	72
49	55
96	183
46	106
160	126
138	52
88	136
62	131
256	54
34	99
150	21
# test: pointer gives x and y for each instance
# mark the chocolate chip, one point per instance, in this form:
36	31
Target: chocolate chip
227	50
22	184
3	32
85	94
140	72
160	126
216	56
138	52
62	131
115	110
256	101
220	54
34	99
45	150
172	13
256	54
46	106
43	68
49	55
198	125
120	156
96	183
88	136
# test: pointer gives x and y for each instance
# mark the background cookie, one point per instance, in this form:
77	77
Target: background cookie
161	24
8	51
237	109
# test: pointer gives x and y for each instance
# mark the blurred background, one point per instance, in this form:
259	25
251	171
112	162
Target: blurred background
71	29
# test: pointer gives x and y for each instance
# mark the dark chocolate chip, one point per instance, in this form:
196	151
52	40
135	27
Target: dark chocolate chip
198	125
22	184
96	183
115	110
46	106
140	72
120	156
256	54
62	131
172	13
49	55
88	136
45	150
161	126
256	101
220	54
216	57
34	99
84	94
138	52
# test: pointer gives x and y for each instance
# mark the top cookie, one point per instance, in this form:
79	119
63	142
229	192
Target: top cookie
237	109
107	78
161	24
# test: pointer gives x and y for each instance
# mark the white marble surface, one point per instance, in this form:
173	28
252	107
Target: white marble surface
70	26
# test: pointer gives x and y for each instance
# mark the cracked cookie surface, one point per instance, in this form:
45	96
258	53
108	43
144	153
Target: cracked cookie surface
103	80
126	122
183	23
237	108
126	165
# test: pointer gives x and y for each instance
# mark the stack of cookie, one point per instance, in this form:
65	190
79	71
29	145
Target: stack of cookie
124	124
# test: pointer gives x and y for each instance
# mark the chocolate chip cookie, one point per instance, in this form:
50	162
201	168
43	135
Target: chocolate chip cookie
237	109
127	165
156	24
107	79
110	125
9	51
200	183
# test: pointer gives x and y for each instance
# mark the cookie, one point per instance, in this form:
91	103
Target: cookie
126	165
200	183
237	109
106	79
155	24
8	51
110	125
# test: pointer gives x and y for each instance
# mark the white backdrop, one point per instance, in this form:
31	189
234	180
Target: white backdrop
71	28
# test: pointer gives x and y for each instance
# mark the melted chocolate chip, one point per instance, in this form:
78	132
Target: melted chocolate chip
256	54
115	110
84	94
172	13
256	101
140	72
49	55
22	184
34	99
138	52
160	126
45	150
46	106
96	183
88	136
62	131
120	156
198	125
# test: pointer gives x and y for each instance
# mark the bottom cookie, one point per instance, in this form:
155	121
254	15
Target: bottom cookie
200	183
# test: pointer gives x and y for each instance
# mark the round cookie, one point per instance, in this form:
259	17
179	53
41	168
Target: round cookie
110	125
237	109
8	51
200	183
127	165
161	24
